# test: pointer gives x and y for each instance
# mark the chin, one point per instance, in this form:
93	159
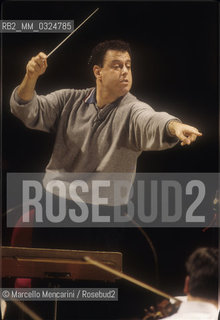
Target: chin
125	90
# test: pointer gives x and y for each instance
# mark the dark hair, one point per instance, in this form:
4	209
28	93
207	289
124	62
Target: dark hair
202	268
99	51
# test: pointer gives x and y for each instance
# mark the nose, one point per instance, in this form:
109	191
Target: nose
124	69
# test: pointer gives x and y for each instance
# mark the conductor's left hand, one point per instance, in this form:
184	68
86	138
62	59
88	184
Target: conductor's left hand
185	133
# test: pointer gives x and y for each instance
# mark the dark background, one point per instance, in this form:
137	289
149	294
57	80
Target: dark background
175	69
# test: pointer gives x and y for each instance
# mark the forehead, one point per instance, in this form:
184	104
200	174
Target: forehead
112	55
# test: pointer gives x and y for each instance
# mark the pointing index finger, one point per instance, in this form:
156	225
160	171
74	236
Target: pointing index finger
194	131
198	133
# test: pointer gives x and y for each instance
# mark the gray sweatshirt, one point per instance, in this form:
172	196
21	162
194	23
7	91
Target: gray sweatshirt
93	140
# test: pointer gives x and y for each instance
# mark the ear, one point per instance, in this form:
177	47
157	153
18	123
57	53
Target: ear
97	70
186	285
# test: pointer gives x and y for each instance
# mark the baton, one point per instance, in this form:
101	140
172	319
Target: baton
49	54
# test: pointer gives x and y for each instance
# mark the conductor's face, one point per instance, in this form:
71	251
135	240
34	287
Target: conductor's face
115	75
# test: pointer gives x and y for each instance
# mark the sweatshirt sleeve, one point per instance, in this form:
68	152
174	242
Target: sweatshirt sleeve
41	112
148	129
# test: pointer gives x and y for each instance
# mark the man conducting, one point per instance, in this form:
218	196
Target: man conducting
101	129
98	130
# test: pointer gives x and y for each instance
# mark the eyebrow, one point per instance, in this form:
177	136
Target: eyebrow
119	61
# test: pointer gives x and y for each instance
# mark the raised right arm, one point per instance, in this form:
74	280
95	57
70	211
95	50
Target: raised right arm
38	112
35	67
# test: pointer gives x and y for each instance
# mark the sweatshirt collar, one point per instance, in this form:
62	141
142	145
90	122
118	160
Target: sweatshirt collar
91	99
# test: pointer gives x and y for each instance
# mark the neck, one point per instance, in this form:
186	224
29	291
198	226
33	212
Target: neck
104	97
191	298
